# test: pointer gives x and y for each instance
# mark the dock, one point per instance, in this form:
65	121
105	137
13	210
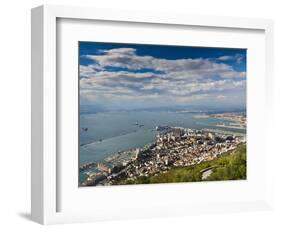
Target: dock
87	166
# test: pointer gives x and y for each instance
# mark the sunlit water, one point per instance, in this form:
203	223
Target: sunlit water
111	132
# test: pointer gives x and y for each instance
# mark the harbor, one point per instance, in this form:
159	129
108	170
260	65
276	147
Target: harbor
174	147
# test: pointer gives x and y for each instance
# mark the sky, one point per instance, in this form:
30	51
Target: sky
135	76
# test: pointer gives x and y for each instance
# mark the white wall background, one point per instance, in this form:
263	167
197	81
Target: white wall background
15	112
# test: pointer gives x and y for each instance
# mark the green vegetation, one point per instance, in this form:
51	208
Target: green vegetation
229	166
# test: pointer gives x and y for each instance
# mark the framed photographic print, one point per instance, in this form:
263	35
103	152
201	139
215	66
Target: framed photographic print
154	114
140	114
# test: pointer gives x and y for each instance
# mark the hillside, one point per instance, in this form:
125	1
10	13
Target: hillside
229	166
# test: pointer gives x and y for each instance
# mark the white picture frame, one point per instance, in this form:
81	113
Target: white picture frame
46	165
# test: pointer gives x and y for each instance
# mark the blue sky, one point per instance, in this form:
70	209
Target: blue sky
129	76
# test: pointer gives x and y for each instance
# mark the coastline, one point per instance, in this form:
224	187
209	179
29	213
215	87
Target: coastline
110	173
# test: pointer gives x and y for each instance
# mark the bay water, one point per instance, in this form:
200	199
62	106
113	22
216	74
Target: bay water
103	134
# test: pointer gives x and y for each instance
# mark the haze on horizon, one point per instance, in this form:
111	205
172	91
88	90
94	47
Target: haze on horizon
132	76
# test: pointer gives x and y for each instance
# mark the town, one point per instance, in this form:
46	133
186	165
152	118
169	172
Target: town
174	147
236	120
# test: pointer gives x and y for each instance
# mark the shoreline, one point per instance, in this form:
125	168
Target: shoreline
231	127
120	165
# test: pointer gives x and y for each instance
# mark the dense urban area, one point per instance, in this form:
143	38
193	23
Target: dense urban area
175	148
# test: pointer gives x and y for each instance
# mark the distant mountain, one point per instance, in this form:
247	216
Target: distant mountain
88	109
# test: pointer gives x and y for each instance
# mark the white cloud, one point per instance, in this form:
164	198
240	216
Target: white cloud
237	58
225	58
127	58
180	79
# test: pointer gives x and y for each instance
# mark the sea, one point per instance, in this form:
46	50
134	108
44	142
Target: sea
105	133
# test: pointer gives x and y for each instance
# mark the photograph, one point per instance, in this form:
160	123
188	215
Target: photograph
152	114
